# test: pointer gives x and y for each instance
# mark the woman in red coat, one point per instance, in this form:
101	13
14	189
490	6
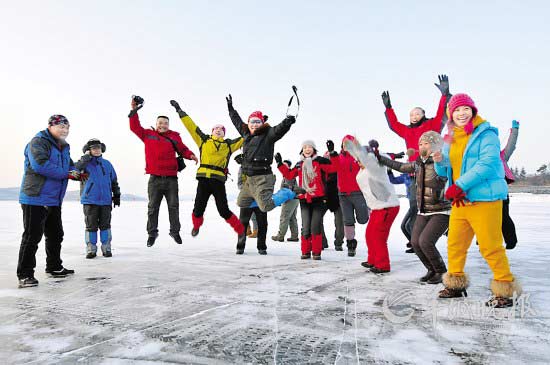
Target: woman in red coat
312	172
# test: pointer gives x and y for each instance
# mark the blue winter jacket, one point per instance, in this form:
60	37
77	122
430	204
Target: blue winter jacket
482	174
102	181
47	165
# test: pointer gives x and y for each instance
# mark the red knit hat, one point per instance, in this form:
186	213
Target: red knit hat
348	137
462	100
256	115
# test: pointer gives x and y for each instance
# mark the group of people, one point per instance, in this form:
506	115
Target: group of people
456	185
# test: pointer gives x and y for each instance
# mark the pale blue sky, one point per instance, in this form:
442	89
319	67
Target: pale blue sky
85	59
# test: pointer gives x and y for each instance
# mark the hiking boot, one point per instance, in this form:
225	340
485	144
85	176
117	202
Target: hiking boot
428	276
293	239
177	238
325	244
500	302
90	255
452	293
377	270
437	278
306	256
367	265
409	250
28	282
316	256
107	254
262	252
151	240
60	273
194	232
278	238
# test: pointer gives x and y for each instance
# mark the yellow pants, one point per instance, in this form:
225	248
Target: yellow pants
484	220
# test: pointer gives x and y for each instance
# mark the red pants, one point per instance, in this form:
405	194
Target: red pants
378	230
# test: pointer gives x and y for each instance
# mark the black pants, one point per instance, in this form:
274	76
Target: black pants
40	221
338	228
261	218
312	217
207	187
159	187
408	221
427	230
508	226
97	216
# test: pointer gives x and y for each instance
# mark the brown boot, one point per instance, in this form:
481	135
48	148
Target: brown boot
248	231
254	234
455	286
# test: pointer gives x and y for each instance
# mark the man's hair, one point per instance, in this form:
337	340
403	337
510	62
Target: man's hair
163	116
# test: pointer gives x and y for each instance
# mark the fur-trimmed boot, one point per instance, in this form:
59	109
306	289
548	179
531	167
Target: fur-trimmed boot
503	293
455	286
197	223
236	224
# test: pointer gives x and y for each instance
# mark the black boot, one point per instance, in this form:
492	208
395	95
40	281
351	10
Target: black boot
428	276
352	246
28	282
437	278
367	265
306	256
176	236
241	242
338	247
151	240
194	232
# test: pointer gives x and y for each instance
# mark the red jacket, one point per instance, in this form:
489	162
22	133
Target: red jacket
322	167
347	169
160	157
411	134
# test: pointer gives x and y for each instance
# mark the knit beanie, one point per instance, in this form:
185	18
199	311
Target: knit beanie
461	100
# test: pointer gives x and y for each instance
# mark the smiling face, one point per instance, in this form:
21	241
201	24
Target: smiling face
254	124
416	115
59	131
462	115
308	151
425	148
163	125
95	151
218	131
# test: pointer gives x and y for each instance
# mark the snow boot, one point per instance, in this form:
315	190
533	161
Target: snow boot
503	293
352	246
278	238
437	278
455	286
254	234
325	242
28	282
91	244
338	247
151	240
197	223
106	238
236	224
428	276
293	239
500	302
241	242
377	270
306	246
177	238
316	257
367	265
306	256
248	231
262	252
409	250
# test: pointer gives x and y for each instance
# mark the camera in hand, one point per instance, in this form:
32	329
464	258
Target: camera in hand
138	99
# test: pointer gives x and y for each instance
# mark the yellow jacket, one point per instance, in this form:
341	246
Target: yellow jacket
214	152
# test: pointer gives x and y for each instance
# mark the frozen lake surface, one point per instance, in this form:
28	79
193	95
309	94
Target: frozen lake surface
200	303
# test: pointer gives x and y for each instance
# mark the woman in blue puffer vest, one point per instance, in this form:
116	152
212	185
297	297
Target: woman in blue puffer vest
97	192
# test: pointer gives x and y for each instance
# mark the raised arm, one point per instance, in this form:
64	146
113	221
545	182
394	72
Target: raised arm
198	136
287	172
512	140
391	118
396	165
236	119
438	122
282	128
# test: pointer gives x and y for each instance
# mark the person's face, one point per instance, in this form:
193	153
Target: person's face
425	148
163	125
95	151
218	131
59	131
462	115
307	151
416	115
254	124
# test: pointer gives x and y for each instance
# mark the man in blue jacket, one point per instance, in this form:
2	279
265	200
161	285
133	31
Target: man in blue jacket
97	193
48	166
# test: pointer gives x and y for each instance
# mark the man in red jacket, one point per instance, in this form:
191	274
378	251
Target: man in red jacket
411	134
162	165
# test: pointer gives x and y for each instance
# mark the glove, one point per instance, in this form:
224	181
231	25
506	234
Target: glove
239	158
229	100
386	99
443	85
278	159
330	146
84	176
397	156
455	194
176	106
373	144
116	201
515	124
291	119
74	175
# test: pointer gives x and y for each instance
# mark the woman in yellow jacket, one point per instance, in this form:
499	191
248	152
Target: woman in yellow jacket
471	163
215	152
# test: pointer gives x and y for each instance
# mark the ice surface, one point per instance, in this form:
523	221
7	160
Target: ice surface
200	303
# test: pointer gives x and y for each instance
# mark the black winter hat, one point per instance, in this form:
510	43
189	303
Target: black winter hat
94	142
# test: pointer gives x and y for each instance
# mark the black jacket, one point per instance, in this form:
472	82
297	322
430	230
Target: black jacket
258	148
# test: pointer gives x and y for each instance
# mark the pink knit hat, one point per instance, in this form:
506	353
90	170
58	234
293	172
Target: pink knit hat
461	100
219	126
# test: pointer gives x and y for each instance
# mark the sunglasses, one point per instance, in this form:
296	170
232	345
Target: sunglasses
255	121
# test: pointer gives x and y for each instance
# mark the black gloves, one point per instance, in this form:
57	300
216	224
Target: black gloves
397	156
330	146
386	99
137	104
278	159
443	85
229	100
116	201
176	106
373	144
291	119
239	158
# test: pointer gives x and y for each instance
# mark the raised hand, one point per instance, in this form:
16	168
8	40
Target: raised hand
229	100
443	85
278	158
330	146
175	105
386	99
